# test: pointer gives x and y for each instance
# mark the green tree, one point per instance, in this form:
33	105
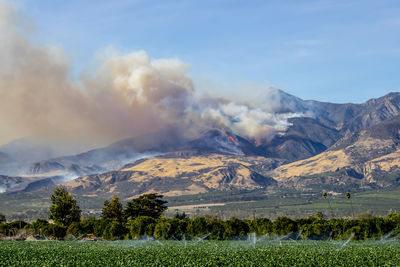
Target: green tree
262	226
74	229
164	229
64	210
284	225
54	230
181	216
114	230
38	225
141	226
88	225
2	218
150	205
113	210
235	228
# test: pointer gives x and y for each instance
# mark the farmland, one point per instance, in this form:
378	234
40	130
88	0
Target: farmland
149	252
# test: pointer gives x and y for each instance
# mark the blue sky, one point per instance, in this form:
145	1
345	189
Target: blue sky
336	51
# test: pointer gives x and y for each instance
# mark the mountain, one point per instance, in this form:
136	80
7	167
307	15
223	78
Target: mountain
128	150
177	176
367	156
28	184
7	182
344	117
17	156
325	123
103	159
325	143
305	137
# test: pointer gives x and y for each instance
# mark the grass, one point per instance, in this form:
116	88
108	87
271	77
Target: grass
205	253
242	204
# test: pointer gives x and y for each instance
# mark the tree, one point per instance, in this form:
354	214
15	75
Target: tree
39	225
235	228
181	216
262	226
64	209
325	196
150	205
348	196
141	226
2	218
284	225
113	210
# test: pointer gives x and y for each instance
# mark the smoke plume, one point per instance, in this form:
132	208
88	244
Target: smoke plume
127	95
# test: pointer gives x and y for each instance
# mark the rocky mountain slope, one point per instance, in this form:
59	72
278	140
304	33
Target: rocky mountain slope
367	155
328	144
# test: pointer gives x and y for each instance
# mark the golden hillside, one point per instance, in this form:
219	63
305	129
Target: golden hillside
176	176
366	156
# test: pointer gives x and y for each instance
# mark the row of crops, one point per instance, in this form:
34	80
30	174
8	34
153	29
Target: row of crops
202	253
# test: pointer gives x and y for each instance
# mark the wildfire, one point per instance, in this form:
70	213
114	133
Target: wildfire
233	140
257	143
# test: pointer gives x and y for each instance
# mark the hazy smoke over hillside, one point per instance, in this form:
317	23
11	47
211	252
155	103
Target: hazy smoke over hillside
128	95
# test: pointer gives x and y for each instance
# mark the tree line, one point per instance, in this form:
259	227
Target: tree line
142	216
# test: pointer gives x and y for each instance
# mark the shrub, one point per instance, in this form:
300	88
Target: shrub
141	226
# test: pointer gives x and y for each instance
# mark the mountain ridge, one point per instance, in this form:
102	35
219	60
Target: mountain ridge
342	143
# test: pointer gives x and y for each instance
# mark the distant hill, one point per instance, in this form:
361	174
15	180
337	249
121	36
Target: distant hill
177	176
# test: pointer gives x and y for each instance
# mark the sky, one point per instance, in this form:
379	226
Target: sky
336	51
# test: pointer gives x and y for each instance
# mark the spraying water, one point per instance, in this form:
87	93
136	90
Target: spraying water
200	239
347	241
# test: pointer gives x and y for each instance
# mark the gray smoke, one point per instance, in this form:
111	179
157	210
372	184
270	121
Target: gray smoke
127	95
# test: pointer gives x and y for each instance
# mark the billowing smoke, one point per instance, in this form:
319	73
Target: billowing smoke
126	96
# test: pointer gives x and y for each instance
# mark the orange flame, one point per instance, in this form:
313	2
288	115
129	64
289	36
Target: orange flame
233	140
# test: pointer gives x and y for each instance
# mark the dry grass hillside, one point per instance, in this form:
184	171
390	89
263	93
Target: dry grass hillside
369	155
176	176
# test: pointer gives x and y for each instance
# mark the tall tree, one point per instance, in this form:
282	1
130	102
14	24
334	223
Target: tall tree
64	209
348	196
150	205
113	209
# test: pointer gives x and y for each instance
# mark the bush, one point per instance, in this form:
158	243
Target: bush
163	230
55	231
284	225
114	230
87	225
74	229
235	228
198	226
38	226
262	226
141	226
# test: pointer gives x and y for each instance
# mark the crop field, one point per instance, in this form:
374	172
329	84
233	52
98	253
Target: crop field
201	253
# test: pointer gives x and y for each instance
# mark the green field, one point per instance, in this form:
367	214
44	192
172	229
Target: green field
201	253
241	204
